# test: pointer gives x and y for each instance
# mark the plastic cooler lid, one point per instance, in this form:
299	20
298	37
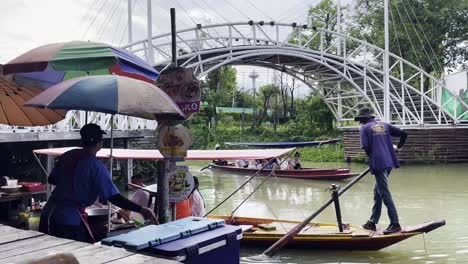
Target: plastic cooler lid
202	242
153	235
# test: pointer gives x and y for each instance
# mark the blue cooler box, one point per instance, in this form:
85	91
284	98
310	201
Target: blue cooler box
220	245
153	235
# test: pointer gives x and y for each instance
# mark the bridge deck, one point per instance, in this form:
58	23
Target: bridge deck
18	245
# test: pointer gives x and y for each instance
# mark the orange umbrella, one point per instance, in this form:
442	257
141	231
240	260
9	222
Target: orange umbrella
12	111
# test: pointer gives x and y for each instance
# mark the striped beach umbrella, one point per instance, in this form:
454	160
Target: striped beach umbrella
53	63
111	94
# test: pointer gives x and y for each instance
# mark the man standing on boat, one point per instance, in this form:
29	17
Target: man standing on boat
80	179
376	140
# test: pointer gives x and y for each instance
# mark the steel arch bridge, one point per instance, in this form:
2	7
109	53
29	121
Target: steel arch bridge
347	73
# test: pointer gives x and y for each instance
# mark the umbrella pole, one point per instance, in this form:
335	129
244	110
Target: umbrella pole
110	172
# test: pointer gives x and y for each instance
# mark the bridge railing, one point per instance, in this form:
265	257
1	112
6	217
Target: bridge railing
74	120
415	95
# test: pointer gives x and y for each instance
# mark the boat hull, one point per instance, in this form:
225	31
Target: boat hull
321	236
306	173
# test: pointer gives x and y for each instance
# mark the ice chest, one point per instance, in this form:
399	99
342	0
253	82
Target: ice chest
154	235
220	245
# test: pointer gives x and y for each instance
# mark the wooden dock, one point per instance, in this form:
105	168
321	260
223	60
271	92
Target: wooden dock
18	245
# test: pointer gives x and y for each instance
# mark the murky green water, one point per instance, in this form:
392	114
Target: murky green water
421	193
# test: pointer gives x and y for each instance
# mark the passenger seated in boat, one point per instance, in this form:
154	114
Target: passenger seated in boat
252	164
288	164
242	164
269	164
297	161
275	164
219	162
260	164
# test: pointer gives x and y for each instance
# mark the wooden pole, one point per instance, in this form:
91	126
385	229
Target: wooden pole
173	37
293	232
163	192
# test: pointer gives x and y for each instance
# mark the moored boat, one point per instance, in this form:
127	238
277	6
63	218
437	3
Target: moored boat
264	232
304	173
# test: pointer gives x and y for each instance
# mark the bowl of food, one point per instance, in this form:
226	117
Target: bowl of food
11	189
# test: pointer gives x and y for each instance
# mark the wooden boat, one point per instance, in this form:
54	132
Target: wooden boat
322	236
305	173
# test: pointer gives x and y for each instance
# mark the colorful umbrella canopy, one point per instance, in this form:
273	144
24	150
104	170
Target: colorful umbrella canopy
50	64
12	111
110	94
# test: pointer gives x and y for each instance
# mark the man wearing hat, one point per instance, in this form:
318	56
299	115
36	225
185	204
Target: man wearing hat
80	179
376	140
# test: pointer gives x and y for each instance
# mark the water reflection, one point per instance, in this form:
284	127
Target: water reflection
421	193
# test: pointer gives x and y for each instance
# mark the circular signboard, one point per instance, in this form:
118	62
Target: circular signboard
180	184
174	141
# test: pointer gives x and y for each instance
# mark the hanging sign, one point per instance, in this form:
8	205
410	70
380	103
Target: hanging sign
180	184
174	141
182	86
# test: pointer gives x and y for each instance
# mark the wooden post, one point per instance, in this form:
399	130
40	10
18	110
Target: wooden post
49	167
243	120
163	192
129	164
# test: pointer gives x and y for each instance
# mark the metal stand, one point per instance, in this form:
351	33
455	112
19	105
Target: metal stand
334	193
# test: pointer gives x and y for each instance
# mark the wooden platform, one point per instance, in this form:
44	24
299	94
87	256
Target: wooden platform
19	245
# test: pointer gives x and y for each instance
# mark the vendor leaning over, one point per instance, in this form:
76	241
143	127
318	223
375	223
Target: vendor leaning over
79	179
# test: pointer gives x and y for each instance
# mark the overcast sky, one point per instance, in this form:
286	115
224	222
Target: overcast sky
27	24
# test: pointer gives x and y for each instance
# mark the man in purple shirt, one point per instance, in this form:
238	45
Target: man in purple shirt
376	140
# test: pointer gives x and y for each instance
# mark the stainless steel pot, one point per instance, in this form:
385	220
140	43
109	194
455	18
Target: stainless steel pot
98	211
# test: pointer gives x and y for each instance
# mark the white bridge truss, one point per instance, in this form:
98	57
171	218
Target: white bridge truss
347	73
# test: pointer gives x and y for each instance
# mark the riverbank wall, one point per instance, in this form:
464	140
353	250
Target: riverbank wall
427	145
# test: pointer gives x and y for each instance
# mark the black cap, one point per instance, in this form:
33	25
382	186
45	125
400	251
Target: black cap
364	113
91	134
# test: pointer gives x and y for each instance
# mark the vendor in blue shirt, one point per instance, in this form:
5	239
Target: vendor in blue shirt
80	179
376	140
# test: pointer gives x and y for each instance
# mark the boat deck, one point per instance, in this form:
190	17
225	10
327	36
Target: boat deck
18	245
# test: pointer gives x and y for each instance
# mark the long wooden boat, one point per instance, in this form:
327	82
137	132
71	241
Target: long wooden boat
264	232
305	173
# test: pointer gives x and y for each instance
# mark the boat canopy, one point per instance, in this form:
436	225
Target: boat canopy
153	154
283	144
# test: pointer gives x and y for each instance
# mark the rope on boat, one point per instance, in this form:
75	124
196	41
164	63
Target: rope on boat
274	215
294	204
264	180
424	240
245	183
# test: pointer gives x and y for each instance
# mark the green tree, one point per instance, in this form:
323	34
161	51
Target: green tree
432	34
316	114
218	88
267	92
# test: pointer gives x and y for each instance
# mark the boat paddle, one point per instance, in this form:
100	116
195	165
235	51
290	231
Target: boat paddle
294	231
206	167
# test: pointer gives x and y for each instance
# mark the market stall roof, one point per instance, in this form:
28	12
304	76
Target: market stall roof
153	154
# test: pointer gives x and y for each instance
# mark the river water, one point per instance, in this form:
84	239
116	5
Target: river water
421	193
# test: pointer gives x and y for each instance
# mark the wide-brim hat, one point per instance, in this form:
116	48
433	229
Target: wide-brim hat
364	113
